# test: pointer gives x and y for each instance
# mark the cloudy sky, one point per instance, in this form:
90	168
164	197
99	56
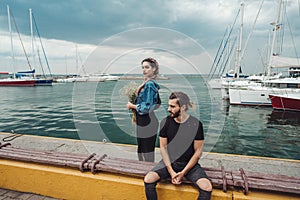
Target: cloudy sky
114	36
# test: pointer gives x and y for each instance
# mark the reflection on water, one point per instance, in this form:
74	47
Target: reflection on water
260	131
280	117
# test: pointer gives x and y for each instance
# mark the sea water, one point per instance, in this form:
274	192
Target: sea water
97	111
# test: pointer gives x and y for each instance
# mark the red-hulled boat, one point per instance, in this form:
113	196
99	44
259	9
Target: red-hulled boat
286	101
17	82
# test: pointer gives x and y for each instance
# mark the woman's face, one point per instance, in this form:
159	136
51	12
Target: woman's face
148	70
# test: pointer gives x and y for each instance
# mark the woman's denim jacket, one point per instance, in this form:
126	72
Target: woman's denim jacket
147	97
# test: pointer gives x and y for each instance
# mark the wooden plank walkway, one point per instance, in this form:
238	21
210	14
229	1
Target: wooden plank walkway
6	194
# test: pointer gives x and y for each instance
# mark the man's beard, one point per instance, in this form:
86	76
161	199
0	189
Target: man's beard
175	115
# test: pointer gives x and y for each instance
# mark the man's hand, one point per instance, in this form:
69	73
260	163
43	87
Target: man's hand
174	178
177	178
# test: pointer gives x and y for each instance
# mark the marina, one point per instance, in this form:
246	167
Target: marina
76	138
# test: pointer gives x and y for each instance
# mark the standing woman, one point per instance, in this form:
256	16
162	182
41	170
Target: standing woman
145	103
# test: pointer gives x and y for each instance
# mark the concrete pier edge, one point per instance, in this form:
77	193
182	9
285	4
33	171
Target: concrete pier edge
231	162
210	160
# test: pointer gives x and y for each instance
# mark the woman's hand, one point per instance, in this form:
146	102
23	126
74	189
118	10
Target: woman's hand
130	106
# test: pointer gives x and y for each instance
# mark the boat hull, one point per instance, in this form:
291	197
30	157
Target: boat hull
239	96
291	103
96	79
227	84
17	83
43	82
256	96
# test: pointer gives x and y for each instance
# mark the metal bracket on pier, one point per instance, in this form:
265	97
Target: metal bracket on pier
81	167
93	169
224	179
4	145
245	179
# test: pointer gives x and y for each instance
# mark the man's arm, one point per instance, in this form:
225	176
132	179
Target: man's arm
198	147
165	156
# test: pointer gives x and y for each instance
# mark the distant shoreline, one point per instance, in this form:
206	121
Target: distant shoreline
141	78
138	77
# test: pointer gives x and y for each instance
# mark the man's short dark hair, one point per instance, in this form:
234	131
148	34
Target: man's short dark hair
182	99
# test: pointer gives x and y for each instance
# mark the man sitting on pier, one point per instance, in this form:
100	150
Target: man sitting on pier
181	144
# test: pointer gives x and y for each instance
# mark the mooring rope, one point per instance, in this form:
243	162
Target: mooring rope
11	137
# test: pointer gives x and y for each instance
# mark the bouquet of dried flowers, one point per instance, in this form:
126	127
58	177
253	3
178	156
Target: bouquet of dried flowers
130	91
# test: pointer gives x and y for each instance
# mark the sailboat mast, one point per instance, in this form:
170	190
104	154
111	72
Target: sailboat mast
276	25
11	40
66	65
31	33
76	47
239	49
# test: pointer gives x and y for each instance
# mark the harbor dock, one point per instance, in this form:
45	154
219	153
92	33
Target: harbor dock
44	181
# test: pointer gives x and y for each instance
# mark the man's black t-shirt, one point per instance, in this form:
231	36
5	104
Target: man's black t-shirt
181	137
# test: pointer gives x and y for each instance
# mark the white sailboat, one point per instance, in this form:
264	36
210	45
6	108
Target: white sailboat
96	77
109	77
14	81
43	80
235	78
217	77
80	77
259	95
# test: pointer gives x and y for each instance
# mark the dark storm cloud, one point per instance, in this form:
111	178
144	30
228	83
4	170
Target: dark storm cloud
84	21
93	21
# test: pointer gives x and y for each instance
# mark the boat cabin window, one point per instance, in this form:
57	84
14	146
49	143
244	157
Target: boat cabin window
5	75
293	85
282	85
